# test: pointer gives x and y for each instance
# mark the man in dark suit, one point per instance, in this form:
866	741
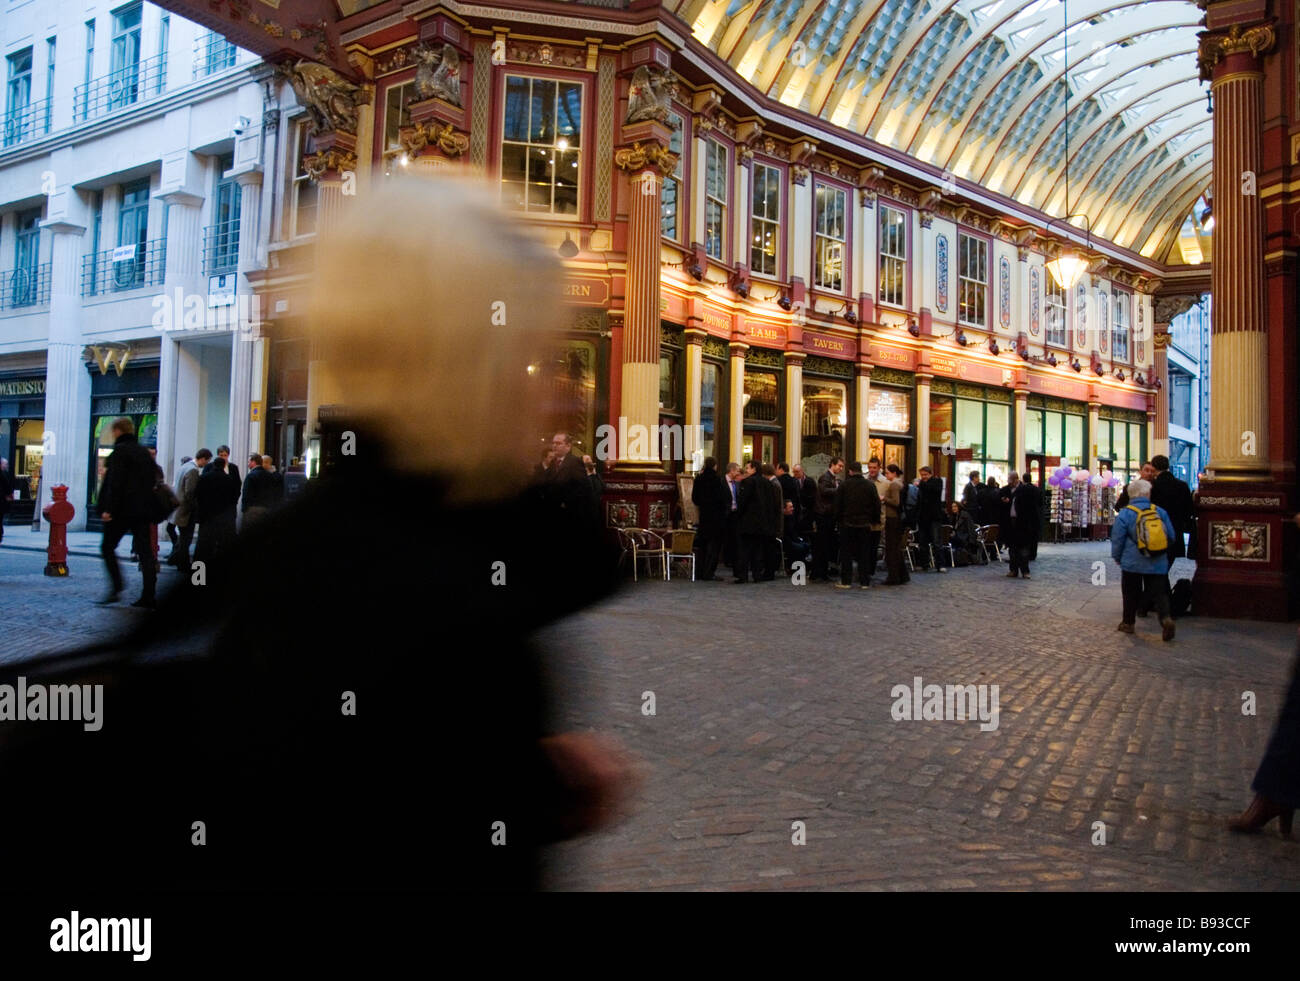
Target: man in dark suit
791	507
125	499
1172	494
807	501
223	453
825	546
566	489
758	499
731	532
930	516
857	508
6	492
1024	520
712	499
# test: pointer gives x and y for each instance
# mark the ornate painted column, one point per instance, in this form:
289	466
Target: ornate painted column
862	417
1018	451
736	410
923	379
694	381
794	406
646	164
1159	442
1239	356
1243	511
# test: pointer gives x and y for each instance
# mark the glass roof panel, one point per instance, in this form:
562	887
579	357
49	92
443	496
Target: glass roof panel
988	74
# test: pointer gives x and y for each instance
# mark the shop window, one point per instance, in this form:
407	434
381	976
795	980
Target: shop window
1073	440
972	280
541	145
765	222
761	397
1119	344
825	415
1055	311
715	199
1180	398
942	420
303	195
893	256
829	238
889	410
1033	431
1053	434
668	363
708	407
569	374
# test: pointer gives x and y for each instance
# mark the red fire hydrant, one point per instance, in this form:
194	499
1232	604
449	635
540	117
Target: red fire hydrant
58	513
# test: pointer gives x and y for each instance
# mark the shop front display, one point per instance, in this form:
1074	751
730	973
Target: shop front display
133	394
762	407
970	430
22	442
889	417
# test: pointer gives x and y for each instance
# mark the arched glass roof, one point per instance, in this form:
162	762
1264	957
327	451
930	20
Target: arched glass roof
979	88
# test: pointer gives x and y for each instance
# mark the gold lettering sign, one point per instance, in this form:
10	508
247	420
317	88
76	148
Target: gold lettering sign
585	291
25	386
766	332
823	344
717	322
577	289
889	355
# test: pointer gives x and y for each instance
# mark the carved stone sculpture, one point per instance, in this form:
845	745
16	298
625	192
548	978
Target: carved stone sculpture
648	97
438	74
330	100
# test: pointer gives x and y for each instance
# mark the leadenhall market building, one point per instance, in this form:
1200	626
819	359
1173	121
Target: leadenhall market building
915	233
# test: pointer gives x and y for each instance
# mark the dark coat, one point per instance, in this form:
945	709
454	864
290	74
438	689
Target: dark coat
247	731
216	496
827	485
790	492
6	491
857	503
807	499
129	478
930	505
759	507
1172	494
1027	499
567	494
711	496
972	498
261	490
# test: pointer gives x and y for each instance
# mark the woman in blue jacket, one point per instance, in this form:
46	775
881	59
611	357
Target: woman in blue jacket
1144	576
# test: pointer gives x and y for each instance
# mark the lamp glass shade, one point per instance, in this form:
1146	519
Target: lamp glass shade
1067	269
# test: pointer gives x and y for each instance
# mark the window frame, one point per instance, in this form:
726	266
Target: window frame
1049	285
679	178
1121	300
728	180
297	176
881	255
585	136
987	245
779	222
846	259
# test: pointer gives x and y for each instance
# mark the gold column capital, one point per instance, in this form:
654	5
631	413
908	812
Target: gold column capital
1213	48
645	156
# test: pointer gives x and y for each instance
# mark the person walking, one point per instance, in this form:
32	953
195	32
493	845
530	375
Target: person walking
187	484
857	508
895	568
1172	494
824	546
929	517
1145	570
125	500
713	501
1023	519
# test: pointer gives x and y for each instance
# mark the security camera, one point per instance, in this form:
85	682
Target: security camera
242	125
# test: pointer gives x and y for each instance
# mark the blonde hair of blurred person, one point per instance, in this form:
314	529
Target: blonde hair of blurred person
431	310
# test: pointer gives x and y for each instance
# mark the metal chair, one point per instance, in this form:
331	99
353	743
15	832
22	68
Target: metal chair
681	548
909	543
945	541
987	536
641	543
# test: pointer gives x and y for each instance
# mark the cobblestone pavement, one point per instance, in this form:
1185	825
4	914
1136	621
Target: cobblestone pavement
773	705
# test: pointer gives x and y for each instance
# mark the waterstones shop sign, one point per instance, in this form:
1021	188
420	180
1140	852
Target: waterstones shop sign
18	387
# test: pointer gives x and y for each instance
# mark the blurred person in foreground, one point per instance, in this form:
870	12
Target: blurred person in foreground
398	687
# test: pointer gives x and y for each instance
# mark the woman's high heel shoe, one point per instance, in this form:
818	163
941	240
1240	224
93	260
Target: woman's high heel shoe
1261	811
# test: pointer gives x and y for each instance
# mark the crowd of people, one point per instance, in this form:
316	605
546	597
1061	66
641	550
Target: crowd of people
208	500
751	518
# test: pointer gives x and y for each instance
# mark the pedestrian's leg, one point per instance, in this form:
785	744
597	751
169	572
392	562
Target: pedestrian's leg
1130	587
846	557
866	556
113	532
142	534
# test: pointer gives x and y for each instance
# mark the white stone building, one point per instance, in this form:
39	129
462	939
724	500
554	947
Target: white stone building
132	206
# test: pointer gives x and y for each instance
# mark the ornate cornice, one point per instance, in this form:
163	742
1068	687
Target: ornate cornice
1214	48
445	137
640	156
333	160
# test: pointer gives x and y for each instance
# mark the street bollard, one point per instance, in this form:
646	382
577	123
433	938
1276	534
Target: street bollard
58	514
